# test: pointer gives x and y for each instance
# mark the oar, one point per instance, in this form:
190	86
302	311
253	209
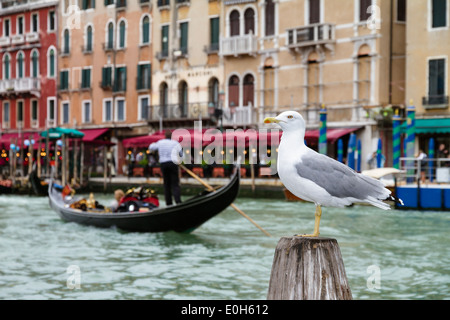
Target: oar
192	174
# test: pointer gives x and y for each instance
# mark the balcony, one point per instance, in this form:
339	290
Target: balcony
311	35
32	37
18	86
435	102
5	41
239	45
178	111
239	116
17	39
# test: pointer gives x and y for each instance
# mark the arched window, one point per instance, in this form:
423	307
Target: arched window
249	17
6	66
51	62
234	23
110	40
66	48
89	37
145	35
183	98
20	66
35	64
249	90
213	92
270	18
122	31
233	92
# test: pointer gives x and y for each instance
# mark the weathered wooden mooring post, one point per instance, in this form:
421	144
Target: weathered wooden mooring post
308	269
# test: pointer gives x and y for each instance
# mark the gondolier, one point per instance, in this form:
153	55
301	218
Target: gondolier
170	152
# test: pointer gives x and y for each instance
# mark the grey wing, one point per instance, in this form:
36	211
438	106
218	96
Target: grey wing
338	179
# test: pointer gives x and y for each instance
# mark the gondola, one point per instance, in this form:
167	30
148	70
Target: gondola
6	186
39	186
184	217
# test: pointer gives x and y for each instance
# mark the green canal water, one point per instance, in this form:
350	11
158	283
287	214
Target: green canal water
387	255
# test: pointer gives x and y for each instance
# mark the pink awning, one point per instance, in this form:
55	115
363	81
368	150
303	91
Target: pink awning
312	136
91	135
7	138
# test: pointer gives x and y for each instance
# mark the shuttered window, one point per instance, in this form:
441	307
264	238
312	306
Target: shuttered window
214	26
234	23
184	28
439	13
270	18
85	78
106	77
249	17
143	76
363	6
165	40
64	80
314	11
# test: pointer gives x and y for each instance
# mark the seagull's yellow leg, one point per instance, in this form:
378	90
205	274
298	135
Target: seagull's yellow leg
316	224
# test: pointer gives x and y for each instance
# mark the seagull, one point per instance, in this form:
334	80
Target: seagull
316	178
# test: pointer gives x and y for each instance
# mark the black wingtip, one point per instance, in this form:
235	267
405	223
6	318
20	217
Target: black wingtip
395	199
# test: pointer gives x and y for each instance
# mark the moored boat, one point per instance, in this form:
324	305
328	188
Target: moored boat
184	217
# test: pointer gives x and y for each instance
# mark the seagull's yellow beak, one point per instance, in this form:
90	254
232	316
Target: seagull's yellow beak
271	120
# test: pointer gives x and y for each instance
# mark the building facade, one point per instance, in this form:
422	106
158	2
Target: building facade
105	63
428	69
28	68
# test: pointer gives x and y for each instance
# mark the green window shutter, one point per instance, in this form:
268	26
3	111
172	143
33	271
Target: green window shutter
88	78
139	77
124	78
122	35
145	30
184	37
214	33
165	40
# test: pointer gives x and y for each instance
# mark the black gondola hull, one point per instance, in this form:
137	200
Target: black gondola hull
184	217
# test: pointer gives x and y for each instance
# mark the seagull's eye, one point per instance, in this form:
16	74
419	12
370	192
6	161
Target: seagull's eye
290	117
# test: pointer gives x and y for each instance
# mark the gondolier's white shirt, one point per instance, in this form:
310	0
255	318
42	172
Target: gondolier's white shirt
168	150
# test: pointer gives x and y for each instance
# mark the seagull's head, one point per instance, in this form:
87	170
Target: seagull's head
288	121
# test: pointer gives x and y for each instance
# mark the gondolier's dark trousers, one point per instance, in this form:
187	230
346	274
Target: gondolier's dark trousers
171	178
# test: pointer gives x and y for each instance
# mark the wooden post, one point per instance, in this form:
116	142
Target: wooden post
82	162
38	157
308	269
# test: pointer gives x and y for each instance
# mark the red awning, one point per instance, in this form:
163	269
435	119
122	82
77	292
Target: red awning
7	138
90	135
312	136
142	141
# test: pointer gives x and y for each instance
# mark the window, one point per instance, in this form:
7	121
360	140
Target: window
20	113
6	27
51	62
6	66
65	112
234	23
34	113
66	42
439	13
213	92
121	3
163	3
20	65
183	98
164	98
249	17
314	11
86	78
35	64
214	36
270	18
436	81
401	10
144	76
86	111
6	111
108	2
107	110
20	25
120	79
165	41
88	47
144	103
145	35
110	40
233	92
120	115
363	8
64	80
87	4
122	34
51	112
34	22
51	21
106	77
249	90
184	27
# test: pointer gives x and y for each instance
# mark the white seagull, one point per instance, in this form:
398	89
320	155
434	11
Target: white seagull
317	178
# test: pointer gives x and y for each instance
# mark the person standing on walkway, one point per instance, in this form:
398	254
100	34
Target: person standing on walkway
170	152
